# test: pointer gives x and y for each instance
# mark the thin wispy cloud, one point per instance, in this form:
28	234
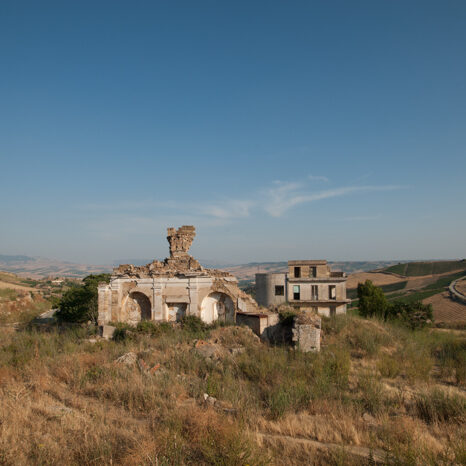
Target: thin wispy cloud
284	197
275	201
317	178
227	209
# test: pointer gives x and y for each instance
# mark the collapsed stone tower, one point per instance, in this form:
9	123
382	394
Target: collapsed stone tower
169	290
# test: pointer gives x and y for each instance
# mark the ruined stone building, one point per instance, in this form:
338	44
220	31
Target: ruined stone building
169	290
309	285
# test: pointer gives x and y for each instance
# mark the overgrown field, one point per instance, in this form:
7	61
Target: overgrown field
374	391
18	306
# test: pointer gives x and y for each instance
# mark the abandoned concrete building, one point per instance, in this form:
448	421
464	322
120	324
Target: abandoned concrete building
179	286
309	285
169	290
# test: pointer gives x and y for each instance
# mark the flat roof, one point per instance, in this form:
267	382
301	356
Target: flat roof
308	262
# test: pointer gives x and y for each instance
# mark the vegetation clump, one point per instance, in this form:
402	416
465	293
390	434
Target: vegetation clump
373	303
79	303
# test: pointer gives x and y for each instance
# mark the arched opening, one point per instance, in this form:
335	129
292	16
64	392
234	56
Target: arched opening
217	306
137	308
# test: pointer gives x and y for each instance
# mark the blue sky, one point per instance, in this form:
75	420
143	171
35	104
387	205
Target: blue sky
318	129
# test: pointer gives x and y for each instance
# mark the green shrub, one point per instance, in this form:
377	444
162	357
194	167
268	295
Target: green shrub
194	325
122	331
414	315
437	406
79	303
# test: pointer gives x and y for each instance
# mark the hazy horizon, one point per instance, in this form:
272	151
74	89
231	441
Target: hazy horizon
280	130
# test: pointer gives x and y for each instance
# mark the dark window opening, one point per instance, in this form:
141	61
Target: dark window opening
312	272
332	292
314	292
279	290
296	293
297	272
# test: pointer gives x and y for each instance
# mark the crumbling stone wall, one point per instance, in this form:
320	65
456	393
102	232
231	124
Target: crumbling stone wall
176	287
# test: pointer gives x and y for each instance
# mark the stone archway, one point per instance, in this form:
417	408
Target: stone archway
137	308
217	306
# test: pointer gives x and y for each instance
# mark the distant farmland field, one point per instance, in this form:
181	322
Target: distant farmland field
418	269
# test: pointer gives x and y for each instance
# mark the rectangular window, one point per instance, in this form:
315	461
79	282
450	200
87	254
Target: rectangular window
297	272
279	290
332	292
314	292
312	272
296	292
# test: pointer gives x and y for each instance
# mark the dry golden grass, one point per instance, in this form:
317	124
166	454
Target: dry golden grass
64	400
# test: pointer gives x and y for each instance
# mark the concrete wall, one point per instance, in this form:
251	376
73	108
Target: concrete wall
265	289
322	288
264	325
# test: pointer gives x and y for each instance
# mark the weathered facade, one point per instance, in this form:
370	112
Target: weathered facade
169	290
309	285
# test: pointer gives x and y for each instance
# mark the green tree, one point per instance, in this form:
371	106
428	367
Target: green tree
372	301
79	304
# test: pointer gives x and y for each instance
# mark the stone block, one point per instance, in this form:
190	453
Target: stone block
108	331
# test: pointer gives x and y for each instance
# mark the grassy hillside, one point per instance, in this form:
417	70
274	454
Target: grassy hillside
417	269
22	299
375	392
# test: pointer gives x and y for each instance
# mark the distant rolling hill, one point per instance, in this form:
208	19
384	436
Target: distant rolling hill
247	272
39	267
419	269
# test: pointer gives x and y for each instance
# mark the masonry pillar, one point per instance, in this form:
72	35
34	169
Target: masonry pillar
193	287
157	308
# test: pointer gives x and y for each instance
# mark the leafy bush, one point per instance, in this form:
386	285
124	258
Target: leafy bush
122	331
79	304
193	324
414	315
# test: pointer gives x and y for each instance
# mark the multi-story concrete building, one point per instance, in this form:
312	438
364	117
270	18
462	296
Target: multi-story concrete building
309	285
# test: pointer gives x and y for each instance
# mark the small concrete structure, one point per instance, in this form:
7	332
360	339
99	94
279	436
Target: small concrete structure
169	290
264	324
309	285
306	333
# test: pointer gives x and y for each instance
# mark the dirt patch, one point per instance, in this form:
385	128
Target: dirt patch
377	278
